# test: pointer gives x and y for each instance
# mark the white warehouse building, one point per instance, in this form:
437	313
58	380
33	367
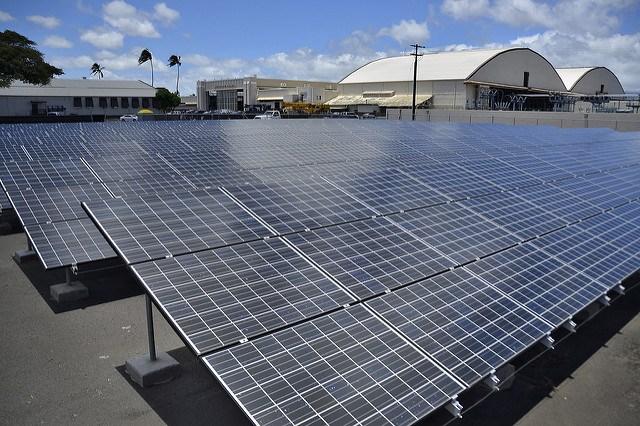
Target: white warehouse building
590	81
76	97
484	78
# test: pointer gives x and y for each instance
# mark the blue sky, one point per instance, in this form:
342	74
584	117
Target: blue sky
317	40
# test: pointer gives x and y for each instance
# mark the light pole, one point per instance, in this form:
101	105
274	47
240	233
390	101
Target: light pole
415	75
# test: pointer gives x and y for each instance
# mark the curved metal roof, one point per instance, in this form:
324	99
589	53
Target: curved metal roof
458	65
570	76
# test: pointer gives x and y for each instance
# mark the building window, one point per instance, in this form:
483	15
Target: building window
124	102
77	102
145	102
602	88
525	80
319	97
88	102
114	102
102	102
135	102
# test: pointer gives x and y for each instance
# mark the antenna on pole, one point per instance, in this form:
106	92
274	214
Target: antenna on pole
415	55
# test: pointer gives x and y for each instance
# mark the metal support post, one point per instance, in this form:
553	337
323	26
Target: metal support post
570	326
152	340
547	342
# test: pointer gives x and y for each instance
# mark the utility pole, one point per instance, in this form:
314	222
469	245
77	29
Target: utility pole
415	75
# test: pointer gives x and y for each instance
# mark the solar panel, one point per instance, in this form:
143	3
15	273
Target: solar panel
456	231
389	191
536	167
586	190
155	184
562	204
468	326
500	173
219	297
142	167
156	226
45	173
55	204
343	368
68	243
257	270
299	205
371	256
545	285
453	181
12	152
605	247
515	213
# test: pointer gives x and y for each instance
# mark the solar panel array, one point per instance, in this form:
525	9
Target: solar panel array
340	271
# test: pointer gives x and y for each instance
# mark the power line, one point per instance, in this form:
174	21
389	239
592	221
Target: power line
416	46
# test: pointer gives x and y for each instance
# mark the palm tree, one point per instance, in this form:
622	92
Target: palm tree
145	56
96	69
175	60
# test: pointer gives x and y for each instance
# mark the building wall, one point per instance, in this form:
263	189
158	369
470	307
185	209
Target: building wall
619	122
591	82
252	87
446	93
22	105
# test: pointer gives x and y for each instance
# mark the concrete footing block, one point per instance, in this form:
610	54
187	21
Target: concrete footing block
22	256
506	375
69	292
147	373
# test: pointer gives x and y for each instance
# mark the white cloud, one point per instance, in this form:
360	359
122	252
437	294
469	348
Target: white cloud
165	14
103	39
407	31
57	42
5	17
129	20
308	64
464	9
586	16
49	22
618	52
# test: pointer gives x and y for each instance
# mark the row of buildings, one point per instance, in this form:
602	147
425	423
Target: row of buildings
496	79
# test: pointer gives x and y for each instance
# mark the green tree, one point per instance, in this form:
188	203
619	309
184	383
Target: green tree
96	69
166	100
173	61
20	60
146	56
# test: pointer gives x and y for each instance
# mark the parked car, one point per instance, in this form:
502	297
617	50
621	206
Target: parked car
129	117
345	115
368	116
268	115
55	113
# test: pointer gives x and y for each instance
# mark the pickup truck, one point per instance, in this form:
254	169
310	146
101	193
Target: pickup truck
268	115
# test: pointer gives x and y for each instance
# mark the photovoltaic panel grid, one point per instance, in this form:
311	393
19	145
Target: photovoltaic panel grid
299	205
389	191
344	368
69	243
427	255
218	297
161	225
372	256
461	321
